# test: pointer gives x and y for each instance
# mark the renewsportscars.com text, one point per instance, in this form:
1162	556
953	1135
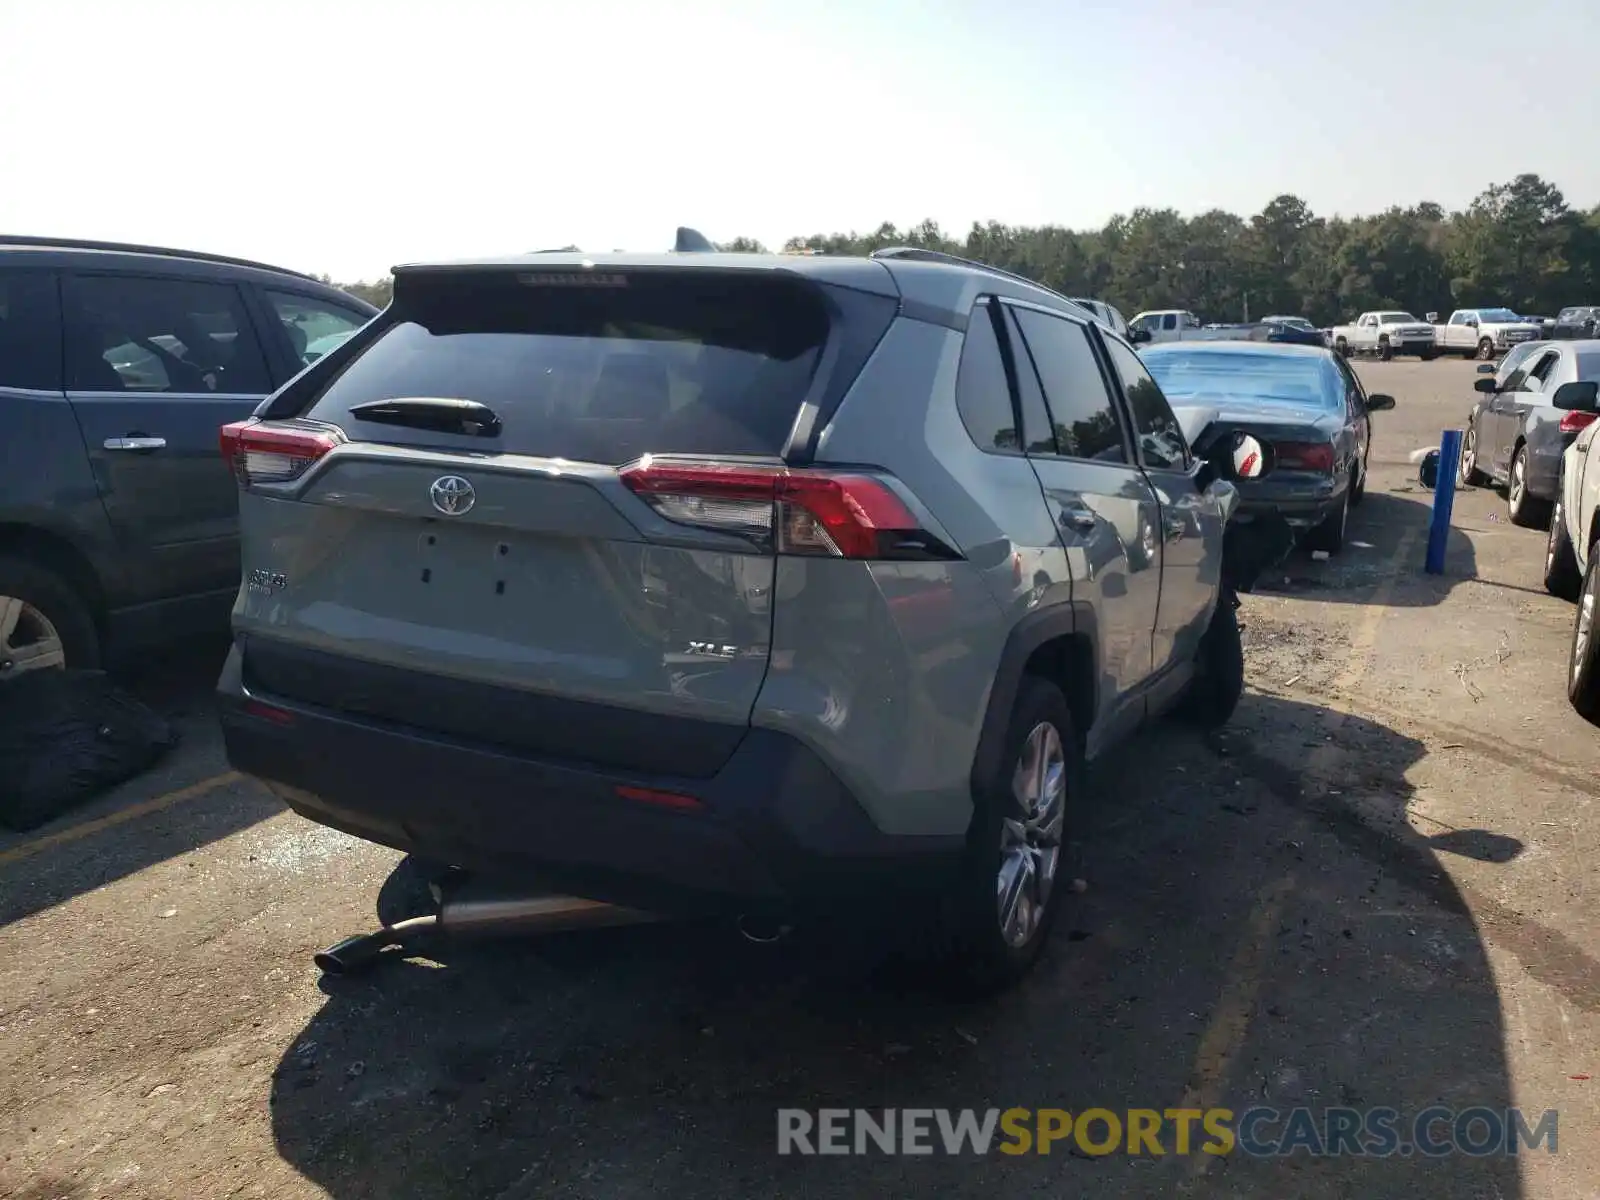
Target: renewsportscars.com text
1258	1132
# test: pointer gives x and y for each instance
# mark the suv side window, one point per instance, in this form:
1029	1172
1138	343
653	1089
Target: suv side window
1081	409
30	330
983	396
314	326
131	333
1156	431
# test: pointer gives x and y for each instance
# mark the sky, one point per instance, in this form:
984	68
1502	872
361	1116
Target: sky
343	136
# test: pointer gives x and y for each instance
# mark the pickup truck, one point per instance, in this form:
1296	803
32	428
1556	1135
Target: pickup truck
1482	332
1180	325
1384	334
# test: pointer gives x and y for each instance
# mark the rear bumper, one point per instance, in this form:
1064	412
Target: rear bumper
1301	509
777	829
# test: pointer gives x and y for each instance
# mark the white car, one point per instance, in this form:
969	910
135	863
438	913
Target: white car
1572	553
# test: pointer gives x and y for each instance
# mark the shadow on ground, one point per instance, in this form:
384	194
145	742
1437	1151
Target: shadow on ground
1246	938
1373	537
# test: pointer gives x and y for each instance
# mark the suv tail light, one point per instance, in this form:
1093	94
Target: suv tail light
830	513
1305	456
266	452
1573	421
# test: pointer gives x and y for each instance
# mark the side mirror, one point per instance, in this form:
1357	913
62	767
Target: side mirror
1484	384
1138	337
1379	401
1486	368
1580	396
1433	318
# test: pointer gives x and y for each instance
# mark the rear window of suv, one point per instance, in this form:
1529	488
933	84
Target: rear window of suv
665	362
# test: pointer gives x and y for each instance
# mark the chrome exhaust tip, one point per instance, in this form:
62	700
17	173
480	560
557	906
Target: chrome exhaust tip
762	932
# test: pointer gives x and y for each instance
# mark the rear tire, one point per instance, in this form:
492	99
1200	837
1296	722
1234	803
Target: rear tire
54	599
1525	510
1385	351
1008	843
1561	576
1583	660
1218	684
1329	535
1341	348
1358	487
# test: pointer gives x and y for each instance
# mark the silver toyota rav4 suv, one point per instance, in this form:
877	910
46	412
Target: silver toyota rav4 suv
726	582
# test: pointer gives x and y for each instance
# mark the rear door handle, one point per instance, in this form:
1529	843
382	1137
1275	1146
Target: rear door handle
1080	518
136	443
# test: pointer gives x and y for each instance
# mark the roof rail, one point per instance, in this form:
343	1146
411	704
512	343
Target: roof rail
918	254
133	248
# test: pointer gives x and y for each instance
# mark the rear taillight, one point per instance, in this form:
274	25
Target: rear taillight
1304	456
1571	422
264	452
839	514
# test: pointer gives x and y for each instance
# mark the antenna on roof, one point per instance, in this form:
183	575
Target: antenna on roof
692	241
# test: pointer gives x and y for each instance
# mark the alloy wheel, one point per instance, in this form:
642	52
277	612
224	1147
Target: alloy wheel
1030	838
28	641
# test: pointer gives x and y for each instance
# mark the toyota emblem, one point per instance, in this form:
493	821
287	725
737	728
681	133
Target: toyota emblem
452	495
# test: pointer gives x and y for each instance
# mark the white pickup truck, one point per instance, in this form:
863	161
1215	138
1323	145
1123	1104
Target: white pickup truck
1482	332
1384	334
1180	325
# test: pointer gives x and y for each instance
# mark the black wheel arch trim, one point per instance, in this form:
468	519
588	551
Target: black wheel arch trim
1075	618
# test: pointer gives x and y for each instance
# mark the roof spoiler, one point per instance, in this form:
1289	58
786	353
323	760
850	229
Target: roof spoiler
692	241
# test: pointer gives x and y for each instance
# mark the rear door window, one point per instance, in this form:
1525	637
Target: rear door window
1081	408
129	333
314	326
30	331
642	363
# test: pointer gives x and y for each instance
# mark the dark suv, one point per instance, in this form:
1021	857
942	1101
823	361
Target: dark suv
118	365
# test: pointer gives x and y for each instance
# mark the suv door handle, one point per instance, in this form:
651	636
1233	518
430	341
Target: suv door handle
1079	517
136	443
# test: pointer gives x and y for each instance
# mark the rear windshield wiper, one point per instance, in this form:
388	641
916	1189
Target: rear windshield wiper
436	414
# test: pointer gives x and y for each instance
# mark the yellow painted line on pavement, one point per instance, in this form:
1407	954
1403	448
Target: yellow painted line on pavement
121	817
1230	1018
1366	633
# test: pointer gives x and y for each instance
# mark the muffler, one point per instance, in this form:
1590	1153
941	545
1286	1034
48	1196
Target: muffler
465	911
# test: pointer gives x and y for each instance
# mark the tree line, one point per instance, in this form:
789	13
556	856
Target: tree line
1518	244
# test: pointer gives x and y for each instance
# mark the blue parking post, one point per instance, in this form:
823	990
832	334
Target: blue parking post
1444	496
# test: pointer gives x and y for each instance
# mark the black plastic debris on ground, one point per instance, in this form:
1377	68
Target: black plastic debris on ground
67	736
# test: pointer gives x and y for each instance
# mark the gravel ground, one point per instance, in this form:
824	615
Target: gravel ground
1372	889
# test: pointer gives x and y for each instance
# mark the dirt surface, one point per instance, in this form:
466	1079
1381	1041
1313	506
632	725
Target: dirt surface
1373	889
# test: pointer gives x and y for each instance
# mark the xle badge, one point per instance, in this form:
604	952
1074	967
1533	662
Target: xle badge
712	650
